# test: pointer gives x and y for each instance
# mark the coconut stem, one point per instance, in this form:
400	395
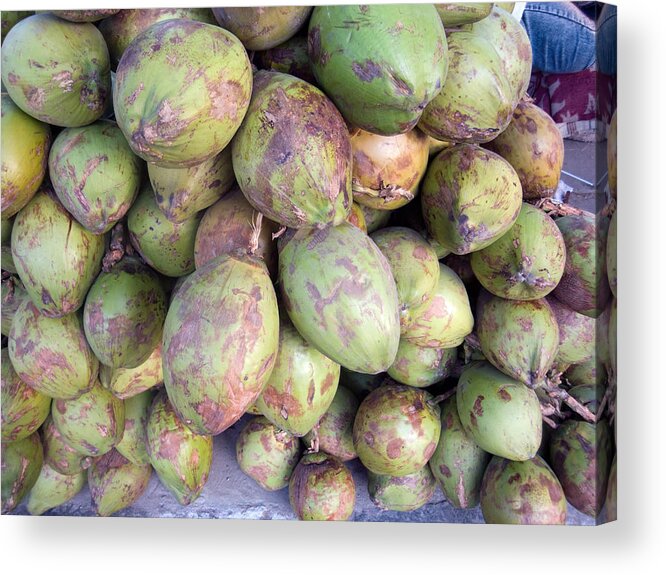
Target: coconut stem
277	234
554	210
444	396
116	249
574	404
545	412
602	405
386	192
314	442
472	340
256	230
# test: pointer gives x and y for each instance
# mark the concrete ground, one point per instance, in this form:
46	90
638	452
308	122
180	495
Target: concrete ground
585	161
229	494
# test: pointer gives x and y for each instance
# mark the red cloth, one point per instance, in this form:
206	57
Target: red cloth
575	100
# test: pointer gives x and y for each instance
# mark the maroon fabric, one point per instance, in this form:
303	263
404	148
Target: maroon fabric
580	97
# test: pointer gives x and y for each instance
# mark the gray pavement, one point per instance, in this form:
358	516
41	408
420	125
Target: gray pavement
229	494
585	161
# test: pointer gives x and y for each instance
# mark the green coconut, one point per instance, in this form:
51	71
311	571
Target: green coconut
25	151
51	355
413	263
23	408
533	145
11	18
93	423
470	198
590	372
52	489
512	43
411	216
253	410
612	342
611	155
436	146
336	284
59	455
21	463
133	444
13	294
584	284
228	304
406	493
360	384
527	262
267	453
182	192
445	319
182	88
333	432
611	254
396	430
85	15
375	219
380	64
292	154
181	458
44	231
611	493
321	488
6	230
580	453
290	57
260	28
477	100
126	382
230	225
57	71
124	313
502	415
357	218
577	334
120	29
461	13
422	366
458	462
95	174
463	267
387	170
301	386
520	338
116	483
522	493
165	246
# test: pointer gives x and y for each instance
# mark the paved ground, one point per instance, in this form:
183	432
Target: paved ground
585	161
230	494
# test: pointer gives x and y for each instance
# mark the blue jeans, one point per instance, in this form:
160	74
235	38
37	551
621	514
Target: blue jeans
562	36
607	40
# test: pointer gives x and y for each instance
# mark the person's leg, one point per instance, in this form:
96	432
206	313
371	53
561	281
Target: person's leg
562	37
607	40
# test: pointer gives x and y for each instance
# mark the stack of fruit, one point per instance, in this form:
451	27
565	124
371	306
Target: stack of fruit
353	244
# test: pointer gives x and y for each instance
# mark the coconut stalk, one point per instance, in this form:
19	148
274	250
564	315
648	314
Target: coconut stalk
556	210
118	247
